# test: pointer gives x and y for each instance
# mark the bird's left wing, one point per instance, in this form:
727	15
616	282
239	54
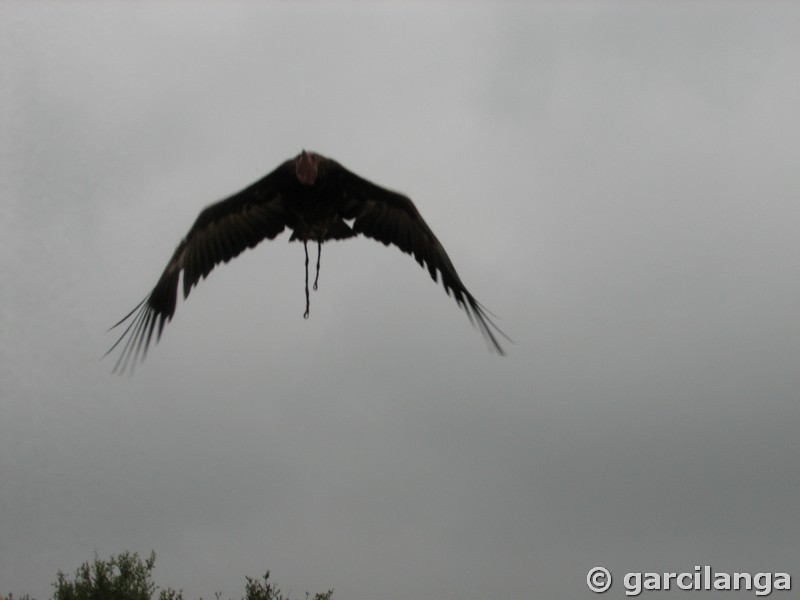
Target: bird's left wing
222	231
392	218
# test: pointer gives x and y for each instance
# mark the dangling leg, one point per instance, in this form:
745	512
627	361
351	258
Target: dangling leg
319	254
308	301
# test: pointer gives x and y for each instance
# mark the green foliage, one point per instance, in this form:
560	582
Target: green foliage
127	577
122	577
256	590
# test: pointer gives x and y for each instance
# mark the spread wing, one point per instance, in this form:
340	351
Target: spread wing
221	232
392	218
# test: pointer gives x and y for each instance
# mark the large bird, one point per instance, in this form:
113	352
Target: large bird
315	197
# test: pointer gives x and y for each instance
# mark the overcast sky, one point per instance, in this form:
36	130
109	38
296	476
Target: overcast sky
618	182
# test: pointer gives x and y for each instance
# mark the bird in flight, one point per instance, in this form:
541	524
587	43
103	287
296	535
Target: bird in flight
319	200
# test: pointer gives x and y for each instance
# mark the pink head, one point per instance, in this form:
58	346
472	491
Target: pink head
305	167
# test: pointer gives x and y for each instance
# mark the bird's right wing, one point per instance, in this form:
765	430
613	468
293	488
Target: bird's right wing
222	231
392	218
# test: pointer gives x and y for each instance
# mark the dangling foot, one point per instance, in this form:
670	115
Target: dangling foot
308	300
319	254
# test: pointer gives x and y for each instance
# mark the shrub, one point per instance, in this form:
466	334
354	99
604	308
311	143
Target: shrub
127	577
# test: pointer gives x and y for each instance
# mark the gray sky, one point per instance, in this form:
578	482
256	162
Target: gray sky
616	181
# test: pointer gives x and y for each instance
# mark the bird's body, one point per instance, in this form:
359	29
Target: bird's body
318	200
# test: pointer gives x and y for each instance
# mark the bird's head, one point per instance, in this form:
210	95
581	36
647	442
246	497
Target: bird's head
305	167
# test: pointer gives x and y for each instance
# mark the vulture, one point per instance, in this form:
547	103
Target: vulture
318	200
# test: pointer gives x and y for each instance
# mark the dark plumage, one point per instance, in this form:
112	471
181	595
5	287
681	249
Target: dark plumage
315	197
